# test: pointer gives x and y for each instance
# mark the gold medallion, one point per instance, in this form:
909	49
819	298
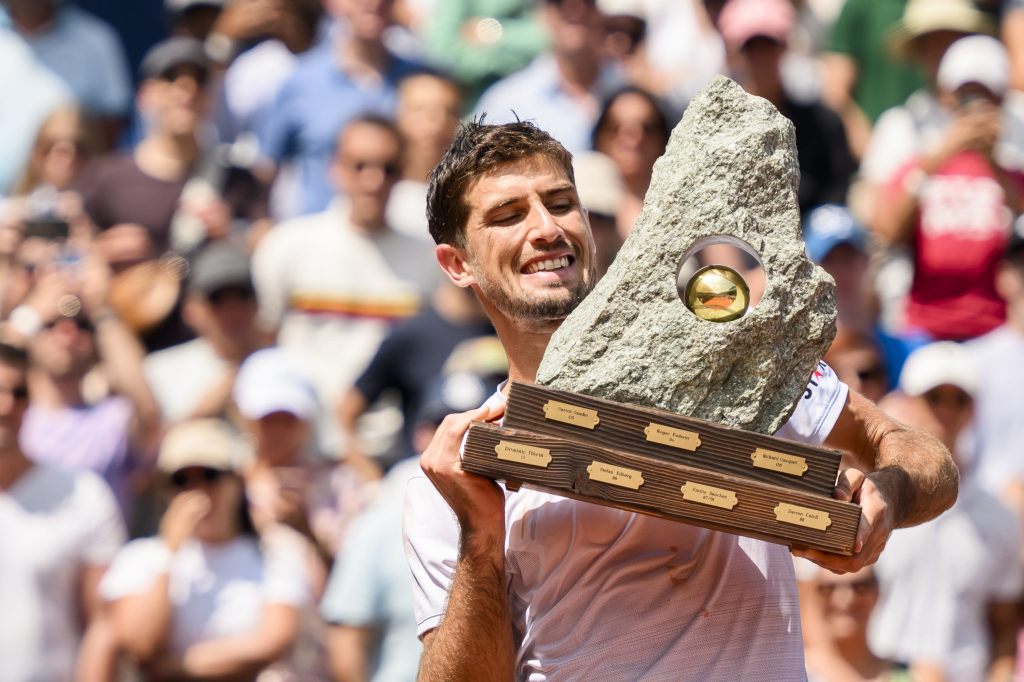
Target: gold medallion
717	293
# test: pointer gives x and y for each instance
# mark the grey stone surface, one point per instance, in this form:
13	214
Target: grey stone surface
730	169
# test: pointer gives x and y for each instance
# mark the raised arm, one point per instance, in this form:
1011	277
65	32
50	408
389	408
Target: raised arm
900	477
474	640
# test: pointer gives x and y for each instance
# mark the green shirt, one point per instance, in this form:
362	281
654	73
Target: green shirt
861	33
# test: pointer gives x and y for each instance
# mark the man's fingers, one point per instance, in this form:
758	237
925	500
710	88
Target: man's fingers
849	483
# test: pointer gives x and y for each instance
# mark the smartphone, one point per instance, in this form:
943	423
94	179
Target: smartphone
49	228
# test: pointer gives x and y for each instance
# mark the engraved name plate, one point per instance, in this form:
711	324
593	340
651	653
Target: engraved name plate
615	475
673	437
802	516
571	414
709	495
794	465
523	454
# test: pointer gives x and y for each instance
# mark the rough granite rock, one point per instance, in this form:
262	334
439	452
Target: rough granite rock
730	169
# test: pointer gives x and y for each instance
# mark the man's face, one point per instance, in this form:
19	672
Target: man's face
366	168
65	348
529	250
13	402
176	101
576	26
428	110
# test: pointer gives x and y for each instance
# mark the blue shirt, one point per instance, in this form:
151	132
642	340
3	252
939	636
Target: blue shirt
87	55
536	94
312	107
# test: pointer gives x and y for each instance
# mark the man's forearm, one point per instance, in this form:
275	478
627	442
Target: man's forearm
919	467
474	641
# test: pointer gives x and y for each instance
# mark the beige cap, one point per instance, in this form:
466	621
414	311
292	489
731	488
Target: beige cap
199	443
928	16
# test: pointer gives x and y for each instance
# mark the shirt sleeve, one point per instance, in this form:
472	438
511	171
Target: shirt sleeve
100	522
270	276
133	570
431	535
818	409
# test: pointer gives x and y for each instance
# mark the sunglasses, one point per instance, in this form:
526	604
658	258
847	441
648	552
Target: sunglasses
873	373
186	478
232	293
19	392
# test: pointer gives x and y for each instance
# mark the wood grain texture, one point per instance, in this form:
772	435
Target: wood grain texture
622	427
660	495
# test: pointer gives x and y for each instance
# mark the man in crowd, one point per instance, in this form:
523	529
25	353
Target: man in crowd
49	588
335	282
950	587
194	379
562	89
528	584
349	74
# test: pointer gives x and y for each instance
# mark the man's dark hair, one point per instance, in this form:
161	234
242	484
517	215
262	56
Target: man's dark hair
480	148
373	119
13	356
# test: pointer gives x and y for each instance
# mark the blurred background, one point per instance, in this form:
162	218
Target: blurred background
224	337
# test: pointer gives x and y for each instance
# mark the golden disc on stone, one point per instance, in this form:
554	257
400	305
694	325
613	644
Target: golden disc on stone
717	293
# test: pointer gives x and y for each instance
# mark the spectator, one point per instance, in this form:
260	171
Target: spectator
860	79
195	18
66	140
480	41
667	47
335	282
143	187
208	597
368	603
255	76
561	90
76	334
288	481
1000	359
756	33
837	242
194	379
834	611
633	130
952	205
349	74
858	362
409	359
58	531
949	587
40	92
427	115
81	49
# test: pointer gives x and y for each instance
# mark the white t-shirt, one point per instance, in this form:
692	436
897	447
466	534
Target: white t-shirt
937	579
606	594
181	375
53	522
216	590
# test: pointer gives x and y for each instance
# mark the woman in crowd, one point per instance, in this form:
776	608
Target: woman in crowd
633	130
207	597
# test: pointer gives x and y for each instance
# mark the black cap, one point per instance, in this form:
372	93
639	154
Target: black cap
173	52
219	266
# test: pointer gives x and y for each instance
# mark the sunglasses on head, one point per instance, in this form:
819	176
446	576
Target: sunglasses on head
183	478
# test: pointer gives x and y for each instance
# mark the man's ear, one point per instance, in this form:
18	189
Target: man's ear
455	264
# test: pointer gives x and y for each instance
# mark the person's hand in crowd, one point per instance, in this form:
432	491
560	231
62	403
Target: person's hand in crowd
478	502
877	521
244	20
94	284
51	290
975	126
182	516
125	244
289	505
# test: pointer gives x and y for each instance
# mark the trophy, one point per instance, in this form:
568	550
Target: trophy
659	392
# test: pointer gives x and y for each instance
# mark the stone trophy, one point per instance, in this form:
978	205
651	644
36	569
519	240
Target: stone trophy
659	402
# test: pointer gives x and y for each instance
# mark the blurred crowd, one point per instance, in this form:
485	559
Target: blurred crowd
224	336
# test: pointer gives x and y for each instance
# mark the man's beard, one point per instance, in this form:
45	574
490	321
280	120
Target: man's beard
536	311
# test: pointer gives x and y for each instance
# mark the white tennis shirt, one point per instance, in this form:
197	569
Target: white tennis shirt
602	594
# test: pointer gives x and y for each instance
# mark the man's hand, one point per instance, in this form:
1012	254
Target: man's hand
478	502
877	521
